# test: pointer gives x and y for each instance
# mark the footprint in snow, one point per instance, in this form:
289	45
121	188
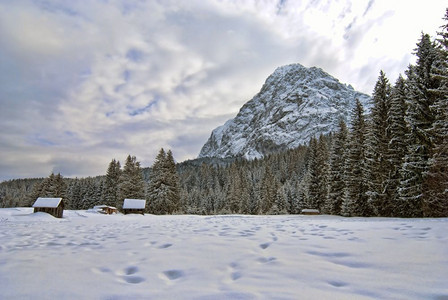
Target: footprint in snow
133	279
173	274
130	270
264	260
236	275
337	283
264	245
164	246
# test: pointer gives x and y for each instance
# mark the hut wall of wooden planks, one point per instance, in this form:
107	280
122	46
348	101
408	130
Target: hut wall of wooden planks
52	206
308	211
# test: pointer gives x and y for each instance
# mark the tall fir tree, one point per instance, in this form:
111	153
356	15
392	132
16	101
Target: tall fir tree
318	169
112	184
338	175
131	180
268	191
357	176
435	186
163	189
419	119
377	148
52	186
173	180
397	147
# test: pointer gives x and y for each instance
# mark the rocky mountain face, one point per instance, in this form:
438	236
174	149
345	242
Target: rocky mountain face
294	104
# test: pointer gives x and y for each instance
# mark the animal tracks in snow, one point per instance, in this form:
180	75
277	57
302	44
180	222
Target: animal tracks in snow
126	275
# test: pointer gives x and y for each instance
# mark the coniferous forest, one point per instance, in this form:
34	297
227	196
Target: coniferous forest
389	162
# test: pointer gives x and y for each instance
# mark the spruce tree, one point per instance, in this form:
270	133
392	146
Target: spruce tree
52	186
419	119
131	180
173	182
163	189
268	191
357	202
435	185
397	147
112	183
318	170
377	148
337	175
234	190
313	171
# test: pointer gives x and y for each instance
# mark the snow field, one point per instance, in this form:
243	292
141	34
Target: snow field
93	256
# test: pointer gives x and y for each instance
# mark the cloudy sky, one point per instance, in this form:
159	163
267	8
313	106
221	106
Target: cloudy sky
82	82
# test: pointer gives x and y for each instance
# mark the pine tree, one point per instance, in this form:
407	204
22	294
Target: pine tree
337	175
397	146
163	189
318	170
234	190
112	183
173	181
245	193
377	148
52	186
435	185
419	119
74	194
131	180
357	186
268	191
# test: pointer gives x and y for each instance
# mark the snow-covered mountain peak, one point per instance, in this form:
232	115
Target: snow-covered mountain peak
294	104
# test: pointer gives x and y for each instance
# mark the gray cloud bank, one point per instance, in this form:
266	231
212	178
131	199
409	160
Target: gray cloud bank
82	82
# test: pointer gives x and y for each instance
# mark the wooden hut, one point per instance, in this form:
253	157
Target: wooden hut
105	209
52	206
309	211
134	206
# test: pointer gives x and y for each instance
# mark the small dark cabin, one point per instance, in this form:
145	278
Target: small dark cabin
308	211
52	206
134	206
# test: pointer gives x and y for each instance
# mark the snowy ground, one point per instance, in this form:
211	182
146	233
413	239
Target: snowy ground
94	256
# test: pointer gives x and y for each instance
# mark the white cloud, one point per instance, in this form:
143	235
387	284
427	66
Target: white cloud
86	81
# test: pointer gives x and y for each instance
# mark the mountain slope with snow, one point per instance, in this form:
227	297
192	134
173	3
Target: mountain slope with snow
294	104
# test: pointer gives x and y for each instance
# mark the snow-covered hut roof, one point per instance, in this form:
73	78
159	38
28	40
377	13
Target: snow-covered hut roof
47	202
134	204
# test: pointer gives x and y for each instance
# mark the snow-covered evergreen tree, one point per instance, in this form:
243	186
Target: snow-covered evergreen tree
435	186
318	169
337	175
357	176
234	190
163	192
377	148
419	119
131	180
397	146
268	191
52	186
173	182
112	183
